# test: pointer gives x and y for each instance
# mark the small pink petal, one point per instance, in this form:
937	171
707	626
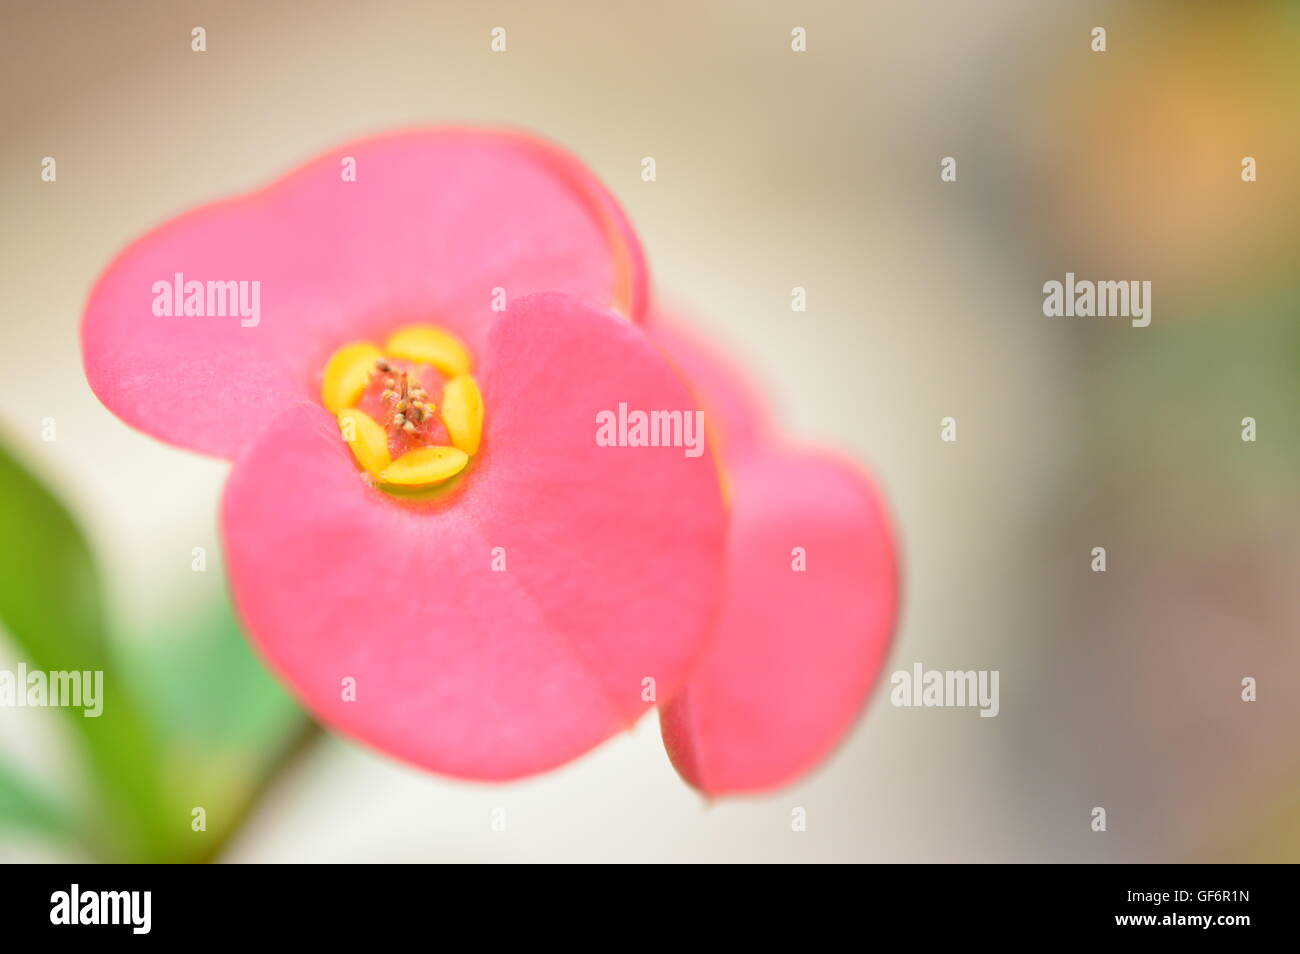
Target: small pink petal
796	653
612	555
738	419
435	220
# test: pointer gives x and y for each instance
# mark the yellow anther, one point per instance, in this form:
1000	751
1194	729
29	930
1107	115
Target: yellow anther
425	344
347	374
462	413
367	439
427	465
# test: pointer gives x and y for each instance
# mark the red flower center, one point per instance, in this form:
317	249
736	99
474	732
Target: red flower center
386	406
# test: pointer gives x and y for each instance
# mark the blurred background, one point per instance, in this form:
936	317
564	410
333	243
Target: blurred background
775	169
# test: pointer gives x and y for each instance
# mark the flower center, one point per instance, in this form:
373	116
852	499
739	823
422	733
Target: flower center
411	412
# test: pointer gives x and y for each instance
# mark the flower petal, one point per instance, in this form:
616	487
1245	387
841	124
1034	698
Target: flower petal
796	652
435	221
738	418
507	626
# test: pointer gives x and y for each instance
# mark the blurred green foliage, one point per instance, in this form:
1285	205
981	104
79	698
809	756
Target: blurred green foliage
190	719
1167	410
24	806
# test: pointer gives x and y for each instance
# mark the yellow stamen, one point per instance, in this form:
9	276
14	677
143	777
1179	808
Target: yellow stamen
367	439
462	412
347	374
425	344
427	465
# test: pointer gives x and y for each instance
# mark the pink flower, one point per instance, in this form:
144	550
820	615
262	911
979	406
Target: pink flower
422	534
811	597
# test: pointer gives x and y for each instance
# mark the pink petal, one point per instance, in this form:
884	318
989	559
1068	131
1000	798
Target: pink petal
613	561
435	220
738	419
796	653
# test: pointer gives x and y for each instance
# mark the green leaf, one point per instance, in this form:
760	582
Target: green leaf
50	606
209	689
226	722
23	806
